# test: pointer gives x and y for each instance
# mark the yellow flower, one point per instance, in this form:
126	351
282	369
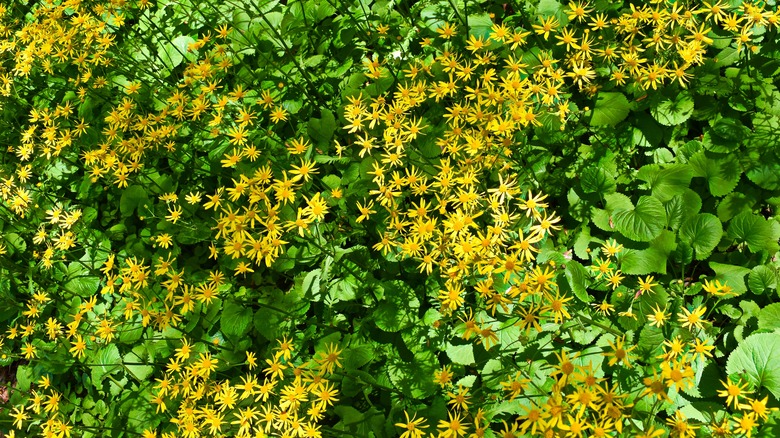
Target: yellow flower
733	392
78	347
693	318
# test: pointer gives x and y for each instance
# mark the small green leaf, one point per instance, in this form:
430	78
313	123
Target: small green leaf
644	222
674	110
702	232
757	357
611	108
321	130
578	280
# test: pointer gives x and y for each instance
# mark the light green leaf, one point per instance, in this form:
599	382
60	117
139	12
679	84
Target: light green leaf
757	357
105	361
650	260
722	174
761	279
578	280
769	317
702	232
751	229
611	108
731	275
461	354
172	53
644	222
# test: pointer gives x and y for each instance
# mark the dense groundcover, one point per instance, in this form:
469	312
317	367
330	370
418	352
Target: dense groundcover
357	218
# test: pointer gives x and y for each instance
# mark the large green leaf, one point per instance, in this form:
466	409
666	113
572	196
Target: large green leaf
762	278
650	260
769	317
595	180
399	310
751	229
105	361
757	357
722	173
132	197
674	110
461	354
642	223
666	182
611	108
413	377
702	232
235	319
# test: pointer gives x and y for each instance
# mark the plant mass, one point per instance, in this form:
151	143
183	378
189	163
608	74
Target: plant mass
361	218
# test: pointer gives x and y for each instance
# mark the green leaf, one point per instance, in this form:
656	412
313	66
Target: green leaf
134	364
668	182
761	279
132	197
751	229
650	260
702	232
757	357
172	53
413	377
674	110
735	203
461	354
766	176
682	207
644	222
722	174
578	280
321	130
83	286
399	310
595	180
731	275
730	129
480	25
235	319
105	361
769	317
611	108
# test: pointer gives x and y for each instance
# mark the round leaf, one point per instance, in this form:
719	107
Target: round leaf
673	110
611	108
761	279
644	222
702	232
